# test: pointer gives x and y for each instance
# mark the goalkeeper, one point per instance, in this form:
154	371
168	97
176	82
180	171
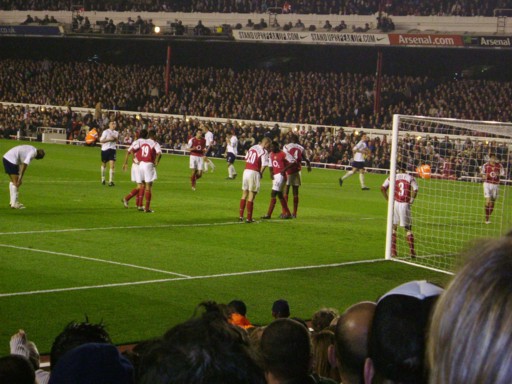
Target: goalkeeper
406	190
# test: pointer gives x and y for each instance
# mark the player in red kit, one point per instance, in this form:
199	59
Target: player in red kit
197	148
149	156
256	160
279	163
491	172
406	190
134	150
293	173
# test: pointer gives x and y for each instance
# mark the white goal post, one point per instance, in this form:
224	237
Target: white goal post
450	210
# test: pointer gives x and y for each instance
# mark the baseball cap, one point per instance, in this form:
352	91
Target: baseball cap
398	333
420	289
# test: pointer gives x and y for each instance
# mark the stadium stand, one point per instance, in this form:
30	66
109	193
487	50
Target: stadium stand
339	99
334	7
311	104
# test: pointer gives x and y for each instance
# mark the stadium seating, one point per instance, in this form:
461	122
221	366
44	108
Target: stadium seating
335	7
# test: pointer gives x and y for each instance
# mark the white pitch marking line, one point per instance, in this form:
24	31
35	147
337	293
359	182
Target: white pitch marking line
190	278
92	259
115	228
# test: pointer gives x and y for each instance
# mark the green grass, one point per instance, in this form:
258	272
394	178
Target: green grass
76	251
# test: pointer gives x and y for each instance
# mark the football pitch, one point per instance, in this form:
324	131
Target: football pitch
75	251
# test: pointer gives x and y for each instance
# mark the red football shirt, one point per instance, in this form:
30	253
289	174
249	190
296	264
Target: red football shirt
492	172
256	156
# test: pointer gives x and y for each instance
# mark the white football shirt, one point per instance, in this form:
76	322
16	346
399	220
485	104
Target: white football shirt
109	134
21	154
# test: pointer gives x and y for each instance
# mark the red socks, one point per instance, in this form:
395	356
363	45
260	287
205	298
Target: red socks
140	197
286	210
134	192
410	240
242	207
271	206
148	199
250	206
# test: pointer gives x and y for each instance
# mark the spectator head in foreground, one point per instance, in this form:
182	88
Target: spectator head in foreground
322	318
470	340
238	311
238	306
16	369
280	309
76	334
286	351
397	344
93	363
350	349
321	343
204	349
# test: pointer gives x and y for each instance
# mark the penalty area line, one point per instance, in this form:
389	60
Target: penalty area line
92	259
156	281
120	227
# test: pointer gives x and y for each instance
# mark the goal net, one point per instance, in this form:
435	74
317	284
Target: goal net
450	209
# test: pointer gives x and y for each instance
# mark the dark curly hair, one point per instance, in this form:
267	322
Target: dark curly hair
76	334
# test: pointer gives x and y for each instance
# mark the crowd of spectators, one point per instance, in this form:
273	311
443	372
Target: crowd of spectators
296	97
36	20
138	26
336	7
331	146
298	100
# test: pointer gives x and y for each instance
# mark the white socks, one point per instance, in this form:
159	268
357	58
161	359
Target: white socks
110	174
231	170
208	163
361	179
13	192
348	174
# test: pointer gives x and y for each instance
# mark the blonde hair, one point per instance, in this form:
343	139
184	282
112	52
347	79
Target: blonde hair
320	346
470	337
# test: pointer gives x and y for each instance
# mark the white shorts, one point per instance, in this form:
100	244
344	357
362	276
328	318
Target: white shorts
278	182
147	172
491	191
251	181
294	179
402	214
135	174
196	162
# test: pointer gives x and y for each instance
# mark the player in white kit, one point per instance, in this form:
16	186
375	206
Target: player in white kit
16	161
359	151
108	142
